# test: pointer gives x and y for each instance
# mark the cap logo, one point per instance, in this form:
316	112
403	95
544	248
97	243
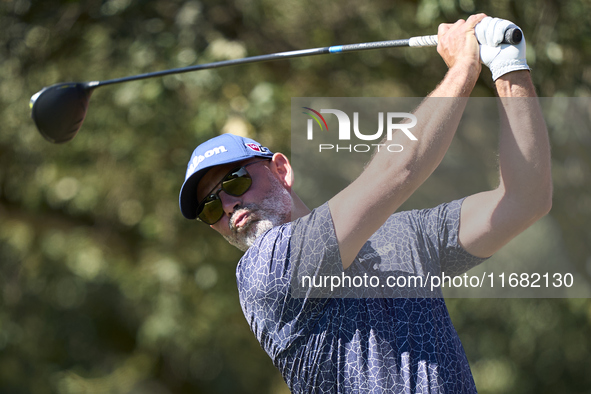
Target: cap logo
255	147
198	159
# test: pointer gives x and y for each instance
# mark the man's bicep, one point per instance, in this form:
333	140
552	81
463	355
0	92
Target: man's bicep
489	220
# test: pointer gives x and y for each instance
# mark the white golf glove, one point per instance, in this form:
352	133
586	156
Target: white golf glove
499	58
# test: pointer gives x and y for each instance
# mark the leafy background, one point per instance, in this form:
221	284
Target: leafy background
105	288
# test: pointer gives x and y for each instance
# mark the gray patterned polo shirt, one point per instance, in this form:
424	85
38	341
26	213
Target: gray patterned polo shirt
366	339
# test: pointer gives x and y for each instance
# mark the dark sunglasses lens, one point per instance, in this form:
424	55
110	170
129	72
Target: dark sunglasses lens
239	185
212	211
235	184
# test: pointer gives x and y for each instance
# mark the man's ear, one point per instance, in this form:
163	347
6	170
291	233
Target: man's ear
281	168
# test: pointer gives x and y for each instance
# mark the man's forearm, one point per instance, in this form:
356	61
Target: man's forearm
491	219
524	149
458	82
515	84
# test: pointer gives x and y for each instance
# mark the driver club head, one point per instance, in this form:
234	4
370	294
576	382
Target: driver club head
59	110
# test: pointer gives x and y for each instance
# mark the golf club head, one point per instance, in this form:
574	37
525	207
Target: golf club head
59	110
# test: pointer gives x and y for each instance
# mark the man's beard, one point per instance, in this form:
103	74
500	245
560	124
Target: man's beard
273	211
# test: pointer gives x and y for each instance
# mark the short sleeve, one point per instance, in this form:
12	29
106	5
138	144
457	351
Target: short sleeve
442	225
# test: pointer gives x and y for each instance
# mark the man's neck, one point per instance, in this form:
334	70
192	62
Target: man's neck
298	208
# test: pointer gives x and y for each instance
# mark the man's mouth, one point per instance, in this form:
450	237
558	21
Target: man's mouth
240	219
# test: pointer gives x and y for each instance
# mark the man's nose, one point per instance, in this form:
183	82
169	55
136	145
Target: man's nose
229	203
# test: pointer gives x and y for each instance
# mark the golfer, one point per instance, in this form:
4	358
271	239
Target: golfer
377	345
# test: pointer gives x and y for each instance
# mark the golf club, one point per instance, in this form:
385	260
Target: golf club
59	110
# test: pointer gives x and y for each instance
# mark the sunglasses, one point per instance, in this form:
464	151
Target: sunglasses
235	183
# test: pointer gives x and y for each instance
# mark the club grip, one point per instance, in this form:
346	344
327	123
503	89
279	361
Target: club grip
513	36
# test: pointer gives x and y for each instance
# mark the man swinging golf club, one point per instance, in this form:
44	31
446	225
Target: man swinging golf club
377	345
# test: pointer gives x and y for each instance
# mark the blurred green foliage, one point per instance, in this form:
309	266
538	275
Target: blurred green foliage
105	288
